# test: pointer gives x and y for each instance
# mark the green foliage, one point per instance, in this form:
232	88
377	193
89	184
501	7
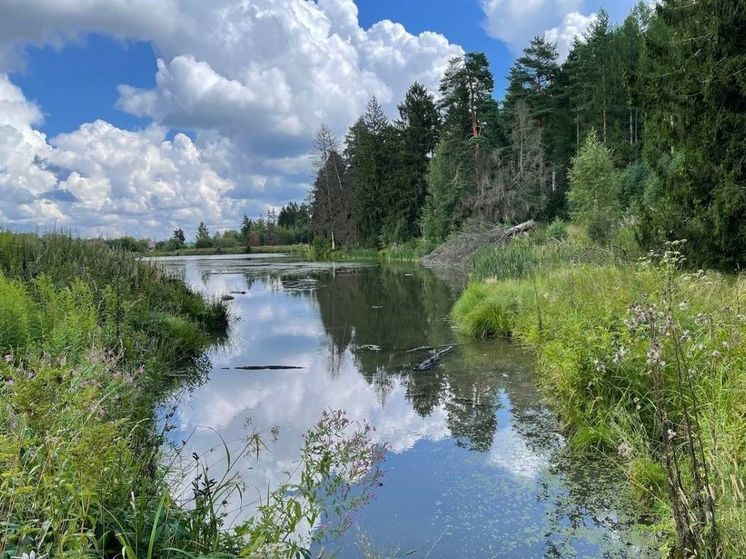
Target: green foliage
333	462
696	94
447	186
634	181
594	189
644	361
525	257
371	163
406	185
202	238
84	355
557	230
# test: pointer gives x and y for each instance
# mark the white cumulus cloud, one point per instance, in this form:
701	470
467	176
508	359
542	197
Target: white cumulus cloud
252	80
516	22
573	25
101	178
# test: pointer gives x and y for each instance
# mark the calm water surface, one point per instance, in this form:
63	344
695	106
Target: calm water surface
476	467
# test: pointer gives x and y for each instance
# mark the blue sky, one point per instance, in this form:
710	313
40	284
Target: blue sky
128	116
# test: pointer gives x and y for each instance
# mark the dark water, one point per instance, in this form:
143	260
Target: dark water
476	467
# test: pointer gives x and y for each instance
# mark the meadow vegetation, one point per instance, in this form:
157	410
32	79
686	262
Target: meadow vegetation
644	359
91	341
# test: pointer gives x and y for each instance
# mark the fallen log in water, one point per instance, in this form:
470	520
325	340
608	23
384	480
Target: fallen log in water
265	368
425	348
431	361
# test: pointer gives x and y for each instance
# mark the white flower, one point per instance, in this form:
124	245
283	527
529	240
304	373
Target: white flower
683	305
31	555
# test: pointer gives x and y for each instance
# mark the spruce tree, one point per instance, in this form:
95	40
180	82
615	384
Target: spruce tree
417	136
696	105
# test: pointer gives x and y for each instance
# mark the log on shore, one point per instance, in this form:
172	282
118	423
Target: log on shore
457	252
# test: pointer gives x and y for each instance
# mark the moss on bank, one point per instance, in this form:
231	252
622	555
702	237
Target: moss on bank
646	362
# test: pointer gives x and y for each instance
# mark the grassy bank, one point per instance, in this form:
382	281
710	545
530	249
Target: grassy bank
408	252
90	340
269	249
645	361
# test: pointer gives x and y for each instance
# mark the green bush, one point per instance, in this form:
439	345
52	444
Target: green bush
595	189
557	230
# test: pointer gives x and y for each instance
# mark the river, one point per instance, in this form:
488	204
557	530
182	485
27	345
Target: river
476	466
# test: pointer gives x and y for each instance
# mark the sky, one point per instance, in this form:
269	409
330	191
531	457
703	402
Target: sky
139	116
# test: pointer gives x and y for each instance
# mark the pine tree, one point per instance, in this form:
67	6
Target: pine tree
471	129
531	78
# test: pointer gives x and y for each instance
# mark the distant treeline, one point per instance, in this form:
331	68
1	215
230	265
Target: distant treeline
288	227
663	96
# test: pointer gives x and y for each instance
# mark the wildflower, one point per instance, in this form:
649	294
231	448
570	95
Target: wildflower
683	305
716	354
30	375
8	358
620	354
31	555
671	434
625	451
741	317
655	355
600	367
701	319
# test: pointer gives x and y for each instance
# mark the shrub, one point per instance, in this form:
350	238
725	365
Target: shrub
594	189
557	230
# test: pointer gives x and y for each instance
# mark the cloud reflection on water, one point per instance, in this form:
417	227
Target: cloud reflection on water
480	408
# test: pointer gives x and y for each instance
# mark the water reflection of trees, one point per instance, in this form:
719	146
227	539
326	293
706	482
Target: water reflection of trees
397	310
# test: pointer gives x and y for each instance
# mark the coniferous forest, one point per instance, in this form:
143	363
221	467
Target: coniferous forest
660	98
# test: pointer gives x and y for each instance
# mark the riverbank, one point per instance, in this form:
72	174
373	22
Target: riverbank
302	250
645	361
408	252
91	341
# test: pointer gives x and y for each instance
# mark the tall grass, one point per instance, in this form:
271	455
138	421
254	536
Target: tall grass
647	362
87	337
403	252
524	257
